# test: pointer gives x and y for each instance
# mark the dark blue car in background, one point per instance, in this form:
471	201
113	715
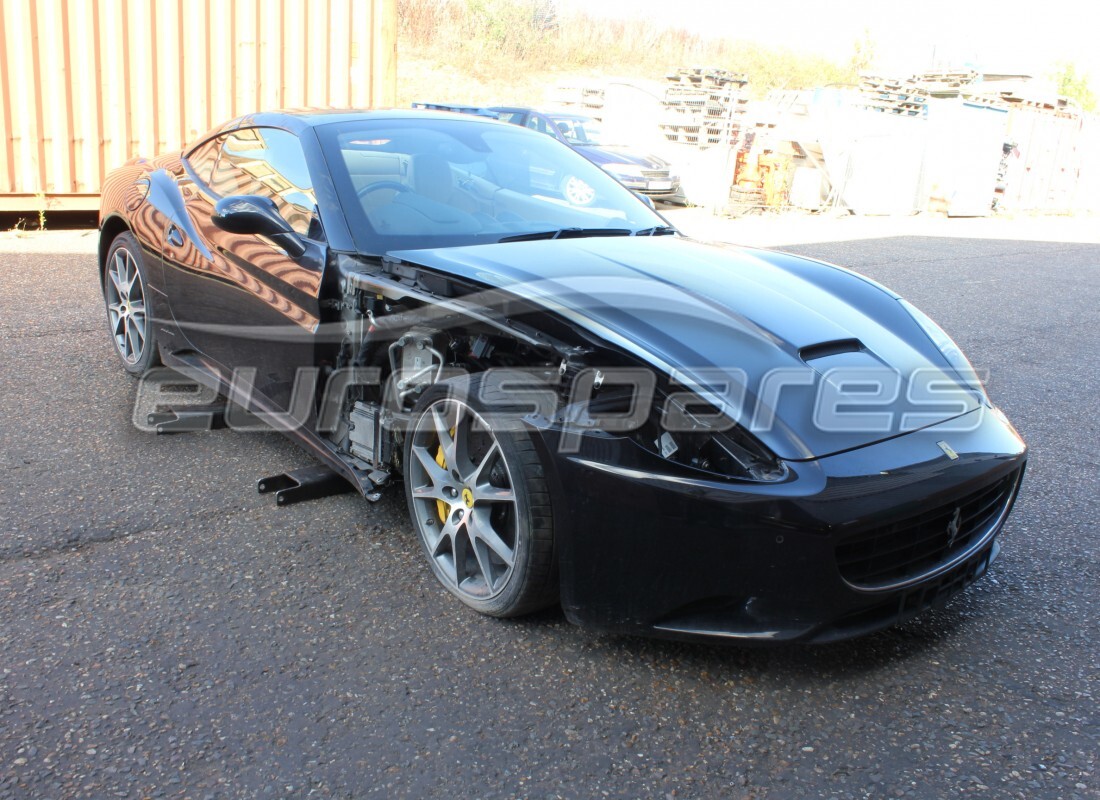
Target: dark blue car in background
643	172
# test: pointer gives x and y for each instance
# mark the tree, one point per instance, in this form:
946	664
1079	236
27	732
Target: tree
1074	85
863	52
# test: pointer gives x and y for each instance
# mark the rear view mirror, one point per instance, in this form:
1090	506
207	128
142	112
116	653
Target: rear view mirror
251	214
645	198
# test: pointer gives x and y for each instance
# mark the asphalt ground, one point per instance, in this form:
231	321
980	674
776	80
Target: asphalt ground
167	632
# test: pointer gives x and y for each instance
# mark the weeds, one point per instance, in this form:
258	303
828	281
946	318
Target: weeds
494	40
41	198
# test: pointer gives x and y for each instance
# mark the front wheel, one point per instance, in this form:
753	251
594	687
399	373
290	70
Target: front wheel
479	500
125	294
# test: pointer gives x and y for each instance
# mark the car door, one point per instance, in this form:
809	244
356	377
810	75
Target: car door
239	299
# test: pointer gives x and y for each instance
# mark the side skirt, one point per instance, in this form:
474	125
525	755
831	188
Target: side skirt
206	373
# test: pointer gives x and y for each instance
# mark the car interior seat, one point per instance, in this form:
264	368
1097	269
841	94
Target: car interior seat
427	209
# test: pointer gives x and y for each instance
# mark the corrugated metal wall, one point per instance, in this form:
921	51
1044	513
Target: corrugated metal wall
86	84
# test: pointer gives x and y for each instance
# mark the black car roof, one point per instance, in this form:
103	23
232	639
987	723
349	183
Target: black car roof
298	119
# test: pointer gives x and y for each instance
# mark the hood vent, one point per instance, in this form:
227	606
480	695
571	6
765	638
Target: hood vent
826	349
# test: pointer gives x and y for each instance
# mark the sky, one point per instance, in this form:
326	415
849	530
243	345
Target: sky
1004	36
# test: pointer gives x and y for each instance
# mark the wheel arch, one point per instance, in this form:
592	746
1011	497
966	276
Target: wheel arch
108	232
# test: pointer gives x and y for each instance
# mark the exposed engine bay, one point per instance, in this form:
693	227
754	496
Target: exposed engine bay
406	328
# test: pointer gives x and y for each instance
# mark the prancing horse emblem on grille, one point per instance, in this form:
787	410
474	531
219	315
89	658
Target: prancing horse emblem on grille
953	527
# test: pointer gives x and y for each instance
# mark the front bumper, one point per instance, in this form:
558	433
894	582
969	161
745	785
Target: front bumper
648	550
666	186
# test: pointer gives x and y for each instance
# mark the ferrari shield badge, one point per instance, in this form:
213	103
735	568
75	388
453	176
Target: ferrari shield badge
948	450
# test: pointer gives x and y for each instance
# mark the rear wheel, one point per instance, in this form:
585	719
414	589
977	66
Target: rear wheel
479	500
125	293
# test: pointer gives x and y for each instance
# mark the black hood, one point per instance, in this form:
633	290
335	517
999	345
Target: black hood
696	310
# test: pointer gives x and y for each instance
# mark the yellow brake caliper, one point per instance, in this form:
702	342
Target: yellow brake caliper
442	508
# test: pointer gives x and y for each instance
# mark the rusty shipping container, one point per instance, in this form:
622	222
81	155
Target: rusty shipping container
87	84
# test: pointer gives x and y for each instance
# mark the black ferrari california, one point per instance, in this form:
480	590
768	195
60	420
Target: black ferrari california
583	405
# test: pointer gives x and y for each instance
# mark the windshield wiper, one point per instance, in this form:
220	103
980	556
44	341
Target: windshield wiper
566	233
656	230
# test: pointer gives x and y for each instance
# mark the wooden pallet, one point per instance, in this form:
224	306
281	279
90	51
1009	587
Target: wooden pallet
882	94
697	95
716	128
706	76
984	100
901	112
945	80
700	139
583	96
701	115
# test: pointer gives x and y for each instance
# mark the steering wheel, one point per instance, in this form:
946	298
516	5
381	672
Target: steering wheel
377	185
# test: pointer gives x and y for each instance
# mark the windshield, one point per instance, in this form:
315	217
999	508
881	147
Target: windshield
422	183
580	130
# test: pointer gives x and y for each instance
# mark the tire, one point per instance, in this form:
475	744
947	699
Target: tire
485	506
125	294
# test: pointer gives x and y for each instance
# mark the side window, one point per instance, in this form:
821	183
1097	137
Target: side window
538	123
567	128
202	158
268	162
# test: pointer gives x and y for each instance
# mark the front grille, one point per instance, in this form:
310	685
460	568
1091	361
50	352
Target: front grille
655	174
908	548
908	604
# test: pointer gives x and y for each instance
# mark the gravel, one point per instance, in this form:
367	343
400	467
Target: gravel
168	632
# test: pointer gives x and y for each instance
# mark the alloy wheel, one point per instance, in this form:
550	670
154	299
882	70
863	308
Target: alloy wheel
463	498
126	305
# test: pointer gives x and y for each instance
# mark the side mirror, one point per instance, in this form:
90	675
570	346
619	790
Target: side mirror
645	198
251	214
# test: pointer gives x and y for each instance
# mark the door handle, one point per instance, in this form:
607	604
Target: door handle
174	235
